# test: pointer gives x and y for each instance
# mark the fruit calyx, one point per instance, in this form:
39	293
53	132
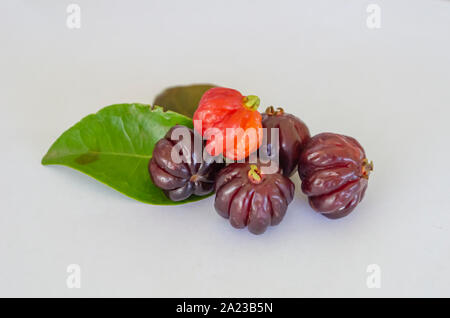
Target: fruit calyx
254	174
271	111
251	102
366	168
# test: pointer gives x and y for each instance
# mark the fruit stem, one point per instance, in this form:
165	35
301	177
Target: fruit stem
251	102
279	111
271	111
367	167
254	174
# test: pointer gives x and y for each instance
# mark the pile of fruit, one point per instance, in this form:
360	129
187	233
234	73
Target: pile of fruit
248	170
333	168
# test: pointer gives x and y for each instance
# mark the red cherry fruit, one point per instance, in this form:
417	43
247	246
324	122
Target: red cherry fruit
334	172
223	108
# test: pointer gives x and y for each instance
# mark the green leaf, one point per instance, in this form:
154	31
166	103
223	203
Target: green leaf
182	99
115	145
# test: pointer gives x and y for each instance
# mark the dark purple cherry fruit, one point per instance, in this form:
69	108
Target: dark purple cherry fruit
249	198
179	179
293	136
334	172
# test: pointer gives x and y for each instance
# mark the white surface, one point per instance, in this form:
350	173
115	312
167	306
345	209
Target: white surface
389	88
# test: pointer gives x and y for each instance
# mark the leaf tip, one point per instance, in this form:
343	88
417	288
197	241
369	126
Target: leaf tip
44	160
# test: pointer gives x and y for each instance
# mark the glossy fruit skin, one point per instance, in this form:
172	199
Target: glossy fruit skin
252	203
223	108
181	180
334	171
293	136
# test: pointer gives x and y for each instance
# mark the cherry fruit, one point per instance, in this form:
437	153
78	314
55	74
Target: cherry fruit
249	198
187	175
235	116
334	171
293	135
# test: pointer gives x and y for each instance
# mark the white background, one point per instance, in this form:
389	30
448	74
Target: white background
388	87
